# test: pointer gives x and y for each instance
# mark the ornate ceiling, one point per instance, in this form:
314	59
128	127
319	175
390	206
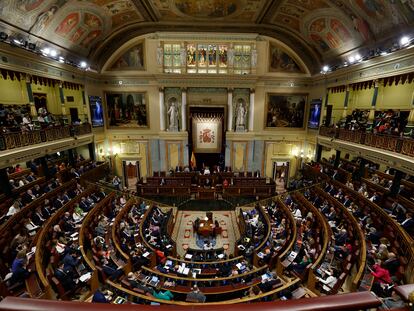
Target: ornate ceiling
318	30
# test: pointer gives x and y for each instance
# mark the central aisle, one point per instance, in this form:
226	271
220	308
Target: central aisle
184	235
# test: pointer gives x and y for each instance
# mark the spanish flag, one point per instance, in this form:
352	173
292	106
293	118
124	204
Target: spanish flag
193	160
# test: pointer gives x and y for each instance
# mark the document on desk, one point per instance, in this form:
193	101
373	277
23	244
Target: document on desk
85	277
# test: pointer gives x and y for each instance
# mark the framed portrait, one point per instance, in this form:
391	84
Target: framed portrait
314	113
96	108
126	110
285	110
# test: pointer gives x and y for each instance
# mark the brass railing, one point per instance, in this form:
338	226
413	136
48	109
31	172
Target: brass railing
386	142
20	139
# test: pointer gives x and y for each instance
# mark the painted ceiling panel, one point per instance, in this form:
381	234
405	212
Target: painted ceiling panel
324	29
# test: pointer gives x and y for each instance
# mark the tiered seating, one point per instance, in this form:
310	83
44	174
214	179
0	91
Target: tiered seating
379	228
52	246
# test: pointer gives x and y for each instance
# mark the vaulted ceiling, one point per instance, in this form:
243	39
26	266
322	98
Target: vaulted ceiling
318	30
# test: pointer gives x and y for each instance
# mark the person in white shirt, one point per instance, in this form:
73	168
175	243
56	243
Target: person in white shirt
329	282
15	208
206	171
297	214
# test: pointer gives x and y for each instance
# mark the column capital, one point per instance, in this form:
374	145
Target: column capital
161	89
376	83
252	91
184	89
230	90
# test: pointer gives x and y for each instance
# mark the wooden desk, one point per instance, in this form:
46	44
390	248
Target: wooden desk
206	227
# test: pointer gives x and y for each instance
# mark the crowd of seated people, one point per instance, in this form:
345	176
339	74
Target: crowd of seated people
21	245
30	195
255	233
387	122
357	120
155	232
383	257
130	241
305	249
64	246
17	118
278	234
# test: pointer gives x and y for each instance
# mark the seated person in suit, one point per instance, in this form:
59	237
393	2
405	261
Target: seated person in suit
65	277
37	217
18	269
110	269
102	297
196	295
330	281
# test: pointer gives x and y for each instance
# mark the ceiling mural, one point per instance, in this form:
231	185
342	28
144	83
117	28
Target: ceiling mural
74	24
317	30
209	9
281	61
133	59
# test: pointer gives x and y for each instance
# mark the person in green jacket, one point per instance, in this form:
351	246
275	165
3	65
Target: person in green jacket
164	295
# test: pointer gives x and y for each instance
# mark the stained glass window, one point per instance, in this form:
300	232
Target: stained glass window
242	59
172	58
208	58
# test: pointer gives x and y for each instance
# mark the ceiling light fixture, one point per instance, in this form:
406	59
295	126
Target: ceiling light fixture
404	41
83	64
53	53
351	59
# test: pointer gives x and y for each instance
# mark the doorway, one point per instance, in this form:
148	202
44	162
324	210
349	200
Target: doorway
40	100
281	175
211	159
132	173
74	116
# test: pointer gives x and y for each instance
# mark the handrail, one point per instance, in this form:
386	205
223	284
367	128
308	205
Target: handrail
392	143
227	278
21	139
205	262
225	302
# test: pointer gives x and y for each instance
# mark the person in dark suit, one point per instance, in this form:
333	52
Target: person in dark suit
408	222
196	295
65	277
110	269
37	217
70	261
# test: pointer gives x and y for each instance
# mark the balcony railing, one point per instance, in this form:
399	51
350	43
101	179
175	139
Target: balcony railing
386	142
22	139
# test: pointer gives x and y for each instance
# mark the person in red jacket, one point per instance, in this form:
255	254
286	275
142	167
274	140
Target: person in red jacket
382	280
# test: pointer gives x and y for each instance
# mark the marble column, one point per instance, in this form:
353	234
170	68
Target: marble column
230	110
183	109
162	110
251	110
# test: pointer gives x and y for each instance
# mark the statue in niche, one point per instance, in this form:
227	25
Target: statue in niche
173	115
183	56
160	55
241	116
230	56
254	58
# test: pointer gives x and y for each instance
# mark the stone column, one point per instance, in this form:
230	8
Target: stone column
251	110
183	109
162	110
230	110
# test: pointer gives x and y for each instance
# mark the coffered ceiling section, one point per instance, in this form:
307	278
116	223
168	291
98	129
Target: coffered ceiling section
318	30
